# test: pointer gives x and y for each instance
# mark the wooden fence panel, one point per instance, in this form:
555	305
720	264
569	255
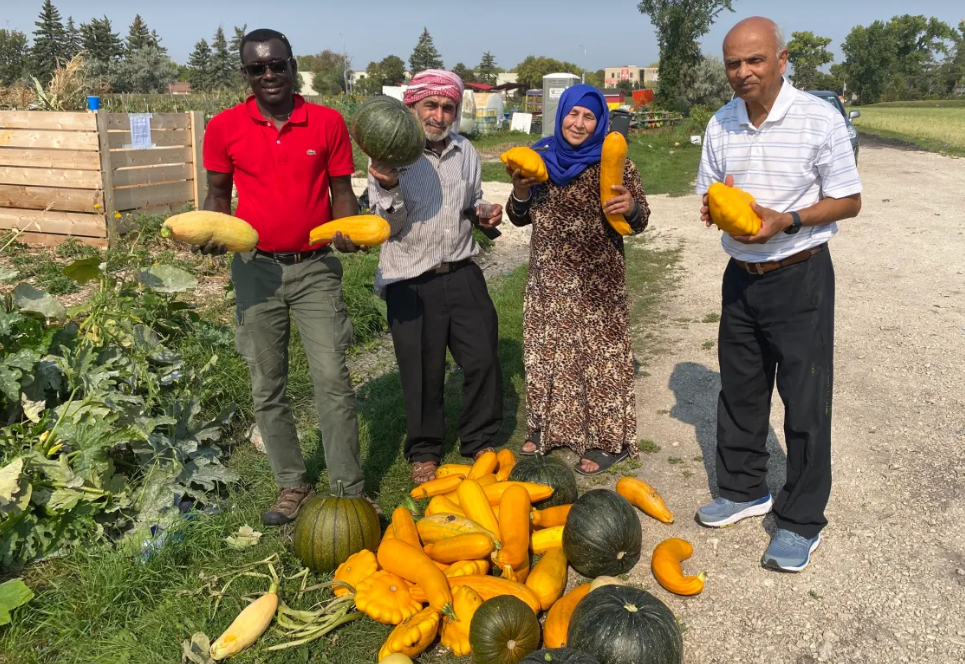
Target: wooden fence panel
152	157
129	177
53	239
60	140
40	198
50	177
48	120
85	161
66	223
121	121
133	198
118	139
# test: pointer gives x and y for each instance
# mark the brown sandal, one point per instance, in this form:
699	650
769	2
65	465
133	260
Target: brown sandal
423	471
475	457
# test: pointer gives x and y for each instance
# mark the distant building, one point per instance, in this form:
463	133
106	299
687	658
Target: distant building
179	88
637	76
508	77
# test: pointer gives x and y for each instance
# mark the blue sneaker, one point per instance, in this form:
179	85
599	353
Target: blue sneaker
723	512
789	552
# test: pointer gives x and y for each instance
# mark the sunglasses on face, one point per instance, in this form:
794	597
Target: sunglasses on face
257	69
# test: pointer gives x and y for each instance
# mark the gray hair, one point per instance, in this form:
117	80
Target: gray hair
780	39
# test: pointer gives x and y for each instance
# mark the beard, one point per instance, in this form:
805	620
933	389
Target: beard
436	133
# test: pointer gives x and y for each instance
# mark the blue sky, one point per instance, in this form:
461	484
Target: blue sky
613	31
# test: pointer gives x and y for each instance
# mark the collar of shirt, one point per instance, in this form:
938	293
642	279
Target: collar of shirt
299	114
450	144
780	108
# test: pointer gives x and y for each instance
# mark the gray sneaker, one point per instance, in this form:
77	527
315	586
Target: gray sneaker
723	512
789	552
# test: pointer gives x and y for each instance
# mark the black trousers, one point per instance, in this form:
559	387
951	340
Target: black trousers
778	323
426	315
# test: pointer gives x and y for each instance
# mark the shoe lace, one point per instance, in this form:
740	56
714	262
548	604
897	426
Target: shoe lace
789	538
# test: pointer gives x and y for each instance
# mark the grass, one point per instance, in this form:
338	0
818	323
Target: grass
933	128
707	345
100	603
647	446
711	318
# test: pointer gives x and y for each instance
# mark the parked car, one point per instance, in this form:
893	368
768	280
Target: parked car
833	99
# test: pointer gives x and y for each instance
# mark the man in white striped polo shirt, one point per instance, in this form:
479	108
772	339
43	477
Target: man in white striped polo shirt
435	293
792	152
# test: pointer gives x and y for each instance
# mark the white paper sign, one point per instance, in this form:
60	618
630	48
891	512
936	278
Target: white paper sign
556	93
521	122
695	140
140	131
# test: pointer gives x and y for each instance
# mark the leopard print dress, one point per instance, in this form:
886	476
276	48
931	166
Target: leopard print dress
576	328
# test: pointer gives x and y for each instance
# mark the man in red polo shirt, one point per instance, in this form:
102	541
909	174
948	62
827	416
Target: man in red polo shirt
284	156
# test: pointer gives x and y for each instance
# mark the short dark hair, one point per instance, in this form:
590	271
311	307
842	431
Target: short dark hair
260	36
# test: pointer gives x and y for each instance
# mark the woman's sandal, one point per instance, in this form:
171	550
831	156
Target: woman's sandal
602	459
523	452
423	471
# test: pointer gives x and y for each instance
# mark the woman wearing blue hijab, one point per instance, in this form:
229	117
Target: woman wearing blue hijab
576	329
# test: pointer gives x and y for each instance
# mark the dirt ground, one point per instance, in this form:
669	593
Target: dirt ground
888	582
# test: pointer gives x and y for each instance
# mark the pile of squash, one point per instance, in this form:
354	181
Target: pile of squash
473	548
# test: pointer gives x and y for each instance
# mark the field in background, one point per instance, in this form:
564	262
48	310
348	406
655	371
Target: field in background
933	126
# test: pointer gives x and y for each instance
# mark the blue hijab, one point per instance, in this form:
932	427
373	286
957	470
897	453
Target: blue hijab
563	161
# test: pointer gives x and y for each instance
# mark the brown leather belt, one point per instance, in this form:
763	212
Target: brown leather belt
767	266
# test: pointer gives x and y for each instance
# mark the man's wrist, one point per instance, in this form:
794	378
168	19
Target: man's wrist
793	222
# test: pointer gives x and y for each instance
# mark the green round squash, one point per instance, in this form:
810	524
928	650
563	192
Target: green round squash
329	530
602	536
551	471
503	631
388	132
625	625
558	656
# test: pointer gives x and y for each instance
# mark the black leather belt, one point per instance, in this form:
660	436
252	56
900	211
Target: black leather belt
446	268
290	258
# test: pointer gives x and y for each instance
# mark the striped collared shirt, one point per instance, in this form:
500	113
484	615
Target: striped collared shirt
799	155
427	212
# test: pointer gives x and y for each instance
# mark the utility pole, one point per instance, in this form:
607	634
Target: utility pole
583	73
344	64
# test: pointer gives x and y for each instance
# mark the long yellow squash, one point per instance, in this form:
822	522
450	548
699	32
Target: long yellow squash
548	578
440	526
473	501
543	540
642	495
442	505
455	633
365	230
558	619
514	509
404	526
412	564
491	586
245	629
453	469
730	209
612	164
484	465
463	547
199	227
506	460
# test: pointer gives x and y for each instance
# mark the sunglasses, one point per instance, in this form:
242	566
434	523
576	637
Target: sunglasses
257	69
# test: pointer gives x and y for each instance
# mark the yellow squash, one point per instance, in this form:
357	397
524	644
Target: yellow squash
453	469
462	547
730	209
468	568
412	564
199	227
527	161
404	527
384	597
442	505
354	570
506	460
665	565
548	578
542	541
639	493
612	164
551	516
440	526
413	636
365	230
514	509
491	586
455	633
245	629
473	501
558	619
484	465
436	487
537	492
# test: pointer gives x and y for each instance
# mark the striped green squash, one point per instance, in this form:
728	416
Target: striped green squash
329	530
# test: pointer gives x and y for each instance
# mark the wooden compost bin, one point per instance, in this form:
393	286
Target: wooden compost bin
66	174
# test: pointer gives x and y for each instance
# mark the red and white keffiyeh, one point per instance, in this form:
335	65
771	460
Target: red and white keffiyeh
433	82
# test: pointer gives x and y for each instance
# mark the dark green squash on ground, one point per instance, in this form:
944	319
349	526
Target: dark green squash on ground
503	631
329	530
602	536
625	625
551	471
558	656
388	132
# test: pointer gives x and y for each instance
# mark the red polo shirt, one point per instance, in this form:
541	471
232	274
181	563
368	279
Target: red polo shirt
282	175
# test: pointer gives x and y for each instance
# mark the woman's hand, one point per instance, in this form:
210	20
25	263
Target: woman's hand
521	185
622	203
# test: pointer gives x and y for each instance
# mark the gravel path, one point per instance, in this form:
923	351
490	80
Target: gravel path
888	582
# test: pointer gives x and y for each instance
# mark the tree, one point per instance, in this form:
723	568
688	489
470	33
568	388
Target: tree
146	70
679	24
487	72
330	71
50	43
236	46
138	36
223	75
371	83
393	70
199	67
425	56
596	78
13	56
72	38
463	72
104	50
626	87
530	71
706	84
808	53
952	74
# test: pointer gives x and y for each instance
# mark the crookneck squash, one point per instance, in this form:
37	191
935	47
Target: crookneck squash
642	495
665	565
412	564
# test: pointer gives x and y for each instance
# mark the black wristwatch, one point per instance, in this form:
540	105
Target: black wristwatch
795	224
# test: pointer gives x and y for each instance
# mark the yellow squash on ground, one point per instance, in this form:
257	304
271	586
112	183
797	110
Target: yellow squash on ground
537	492
514	507
353	571
462	547
384	597
442	505
437	487
440	526
404	526
551	516
199	227
412	636
453	469
491	586
365	230
245	629
473	501
484	465
542	541
639	493
548	578
527	161
412	564
455	633
558	619
612	164
506	460
665	565
730	209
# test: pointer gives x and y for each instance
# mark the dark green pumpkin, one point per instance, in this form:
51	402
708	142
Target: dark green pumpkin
551	471
388	132
625	625
329	530
602	536
503	631
558	656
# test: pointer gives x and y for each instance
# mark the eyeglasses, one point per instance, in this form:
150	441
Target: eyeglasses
256	69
